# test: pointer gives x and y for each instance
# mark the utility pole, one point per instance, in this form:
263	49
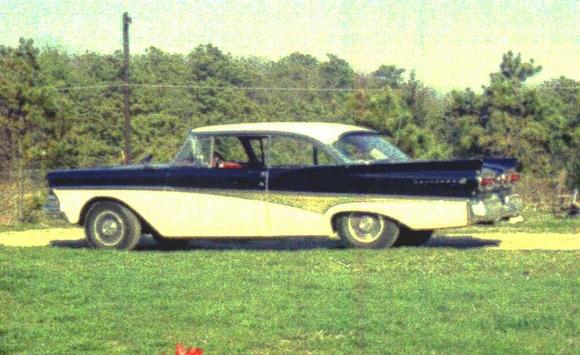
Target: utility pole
126	109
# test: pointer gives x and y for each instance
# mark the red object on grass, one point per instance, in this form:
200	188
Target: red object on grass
181	350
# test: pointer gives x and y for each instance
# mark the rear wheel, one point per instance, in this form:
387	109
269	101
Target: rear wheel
366	230
110	225
409	237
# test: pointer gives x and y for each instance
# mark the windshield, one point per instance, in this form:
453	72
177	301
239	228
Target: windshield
196	151
368	147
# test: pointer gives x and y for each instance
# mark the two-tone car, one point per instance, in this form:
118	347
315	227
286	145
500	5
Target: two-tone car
285	179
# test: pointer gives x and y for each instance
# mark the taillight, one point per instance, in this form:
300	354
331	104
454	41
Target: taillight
486	182
513	177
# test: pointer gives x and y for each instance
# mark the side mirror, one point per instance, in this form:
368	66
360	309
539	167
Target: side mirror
146	160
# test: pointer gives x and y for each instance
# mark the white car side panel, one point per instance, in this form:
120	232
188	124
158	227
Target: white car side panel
293	221
178	213
414	213
202	214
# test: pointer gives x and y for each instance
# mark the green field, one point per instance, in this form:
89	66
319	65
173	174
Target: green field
285	297
293	296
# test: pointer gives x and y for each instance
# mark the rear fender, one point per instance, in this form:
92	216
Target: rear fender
417	214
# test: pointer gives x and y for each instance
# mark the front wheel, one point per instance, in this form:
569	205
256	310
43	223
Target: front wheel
110	225
366	230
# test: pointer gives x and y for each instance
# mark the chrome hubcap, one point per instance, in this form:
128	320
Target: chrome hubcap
365	223
109	228
365	228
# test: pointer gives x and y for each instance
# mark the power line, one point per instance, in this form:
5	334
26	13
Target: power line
212	87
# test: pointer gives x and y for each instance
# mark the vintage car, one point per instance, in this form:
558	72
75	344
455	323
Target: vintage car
284	179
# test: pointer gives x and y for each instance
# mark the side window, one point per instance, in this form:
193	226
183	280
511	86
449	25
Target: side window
323	158
290	151
196	151
230	148
350	149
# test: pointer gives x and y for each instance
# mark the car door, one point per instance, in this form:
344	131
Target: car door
298	169
218	184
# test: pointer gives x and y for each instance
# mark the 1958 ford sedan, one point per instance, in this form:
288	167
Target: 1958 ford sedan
275	180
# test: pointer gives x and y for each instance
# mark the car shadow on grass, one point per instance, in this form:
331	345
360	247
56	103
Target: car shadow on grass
461	242
288	244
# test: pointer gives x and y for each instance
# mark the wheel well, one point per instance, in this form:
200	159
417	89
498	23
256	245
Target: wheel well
334	219
145	226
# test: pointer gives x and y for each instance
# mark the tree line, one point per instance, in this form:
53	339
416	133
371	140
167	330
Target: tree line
59	109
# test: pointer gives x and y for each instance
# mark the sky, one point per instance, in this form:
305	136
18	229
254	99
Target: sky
450	44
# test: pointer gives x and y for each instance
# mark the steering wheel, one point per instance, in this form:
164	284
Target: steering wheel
217	159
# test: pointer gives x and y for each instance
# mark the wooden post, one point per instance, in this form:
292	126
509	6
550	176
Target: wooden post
20	152
126	108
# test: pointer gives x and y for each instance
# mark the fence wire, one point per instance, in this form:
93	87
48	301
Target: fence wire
213	87
22	194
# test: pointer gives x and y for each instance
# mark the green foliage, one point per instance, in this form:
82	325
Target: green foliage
559	105
160	135
407	113
537	125
512	68
388	75
513	127
81	124
464	126
28	113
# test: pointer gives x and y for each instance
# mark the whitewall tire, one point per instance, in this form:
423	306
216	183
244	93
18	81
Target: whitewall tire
110	225
366	230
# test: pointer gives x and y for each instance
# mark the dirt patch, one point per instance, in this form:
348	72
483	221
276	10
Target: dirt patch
516	241
496	241
40	237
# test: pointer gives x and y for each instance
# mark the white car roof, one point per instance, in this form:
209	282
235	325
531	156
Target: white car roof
325	132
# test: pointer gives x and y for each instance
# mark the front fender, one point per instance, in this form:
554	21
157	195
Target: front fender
72	201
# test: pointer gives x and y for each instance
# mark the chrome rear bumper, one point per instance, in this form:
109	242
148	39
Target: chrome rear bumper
494	208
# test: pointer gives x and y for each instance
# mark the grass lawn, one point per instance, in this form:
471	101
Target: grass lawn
312	300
